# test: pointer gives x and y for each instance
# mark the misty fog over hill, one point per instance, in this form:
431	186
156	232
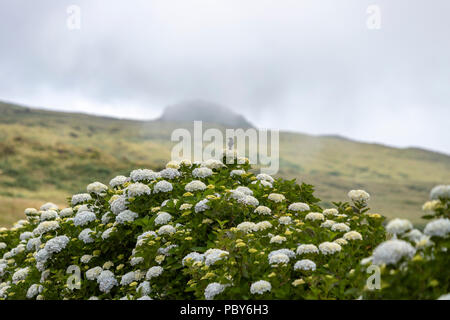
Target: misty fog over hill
204	111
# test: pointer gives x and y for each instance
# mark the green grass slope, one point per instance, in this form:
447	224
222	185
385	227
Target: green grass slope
47	156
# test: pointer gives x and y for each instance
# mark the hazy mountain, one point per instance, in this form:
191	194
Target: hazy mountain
205	111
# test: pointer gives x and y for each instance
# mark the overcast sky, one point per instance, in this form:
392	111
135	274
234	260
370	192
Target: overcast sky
309	66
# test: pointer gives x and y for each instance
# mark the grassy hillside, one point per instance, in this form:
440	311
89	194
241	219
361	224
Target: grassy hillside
47	156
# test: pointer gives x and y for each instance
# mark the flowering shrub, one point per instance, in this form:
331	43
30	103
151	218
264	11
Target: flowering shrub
199	231
414	264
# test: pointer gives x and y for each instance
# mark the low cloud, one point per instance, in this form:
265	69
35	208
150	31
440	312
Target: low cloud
306	66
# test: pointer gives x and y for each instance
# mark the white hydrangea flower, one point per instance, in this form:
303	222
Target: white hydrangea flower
213	164
201	206
42	256
327	223
289	253
237	173
441	191
143	174
276	197
137	189
278	258
366	260
144	288
34	290
167	229
352	235
263	210
107	233
299	206
163	218
44	275
24	236
21	223
329	248
444	297
147	234
162	186
20	274
277	239
33	244
19	249
93	273
265	177
82	207
127	278
201	172
186	162
56	244
213	289
244	190
305	264
119	205
341	227
126	216
392	251
195	256
106	218
259	287
81	197
136	260
234	194
438	228
185	206
83	218
246	227
424	242
313	216
195	185
359	196
48	215
285	220
154	272
263	225
214	255
86	258
341	241
307	248
398	226
2	245
48	206
31	212
66	212
413	235
85	235
173	164
97	188
118	181
106	281
169	173
249	200
431	205
3	267
166	250
331	212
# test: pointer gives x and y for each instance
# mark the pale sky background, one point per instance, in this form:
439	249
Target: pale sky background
308	66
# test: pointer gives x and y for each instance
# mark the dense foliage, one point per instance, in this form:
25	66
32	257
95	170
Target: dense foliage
213	231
